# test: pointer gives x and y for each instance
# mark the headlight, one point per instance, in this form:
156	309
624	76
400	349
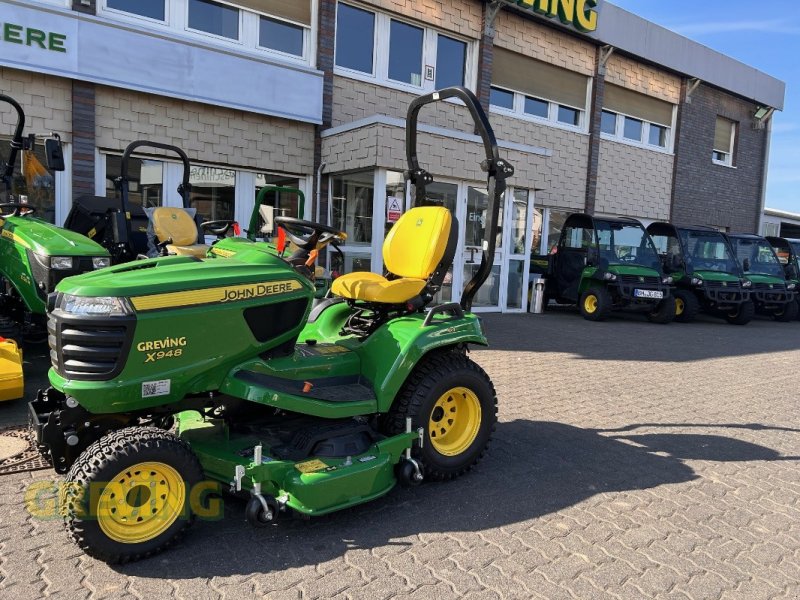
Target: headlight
101	262
746	283
791	286
609	277
697	281
95	305
61	263
667	280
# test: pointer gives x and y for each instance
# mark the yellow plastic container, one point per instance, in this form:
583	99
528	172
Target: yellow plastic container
12	383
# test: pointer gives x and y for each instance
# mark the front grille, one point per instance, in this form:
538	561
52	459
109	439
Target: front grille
636	280
88	348
778	287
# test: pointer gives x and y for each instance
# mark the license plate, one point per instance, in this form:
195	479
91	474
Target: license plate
648	294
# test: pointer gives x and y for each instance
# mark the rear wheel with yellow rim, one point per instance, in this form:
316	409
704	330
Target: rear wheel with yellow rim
127	495
595	304
686	306
453	400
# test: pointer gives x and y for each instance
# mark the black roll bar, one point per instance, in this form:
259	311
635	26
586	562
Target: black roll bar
497	169
122	182
17	143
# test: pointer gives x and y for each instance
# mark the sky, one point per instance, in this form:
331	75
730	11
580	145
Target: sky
763	35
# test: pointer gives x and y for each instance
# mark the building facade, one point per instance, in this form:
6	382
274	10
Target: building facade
597	109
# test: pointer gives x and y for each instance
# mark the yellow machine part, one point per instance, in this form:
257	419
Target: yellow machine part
11	380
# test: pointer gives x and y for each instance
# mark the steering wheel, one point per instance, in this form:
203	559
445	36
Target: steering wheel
218	228
308	235
18	208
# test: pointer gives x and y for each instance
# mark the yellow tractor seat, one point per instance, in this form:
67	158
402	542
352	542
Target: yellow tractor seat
177	225
417	253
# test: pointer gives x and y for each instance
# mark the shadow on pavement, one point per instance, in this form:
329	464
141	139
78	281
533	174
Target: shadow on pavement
533	469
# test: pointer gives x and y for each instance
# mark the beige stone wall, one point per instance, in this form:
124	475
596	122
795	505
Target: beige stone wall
628	73
47	102
207	133
526	36
633	181
460	16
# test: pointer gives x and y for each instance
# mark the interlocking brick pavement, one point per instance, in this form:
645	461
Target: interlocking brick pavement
631	461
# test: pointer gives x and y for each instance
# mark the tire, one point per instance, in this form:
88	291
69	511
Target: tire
789	312
595	304
797	299
743	315
438	381
119	457
664	312
686	306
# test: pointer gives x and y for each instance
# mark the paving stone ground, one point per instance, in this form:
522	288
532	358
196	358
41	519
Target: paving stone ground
631	461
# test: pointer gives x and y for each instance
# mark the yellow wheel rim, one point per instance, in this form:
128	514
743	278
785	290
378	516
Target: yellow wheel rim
455	421
590	303
679	306
141	502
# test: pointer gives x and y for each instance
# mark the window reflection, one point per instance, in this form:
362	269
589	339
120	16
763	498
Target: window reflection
355	35
145	185
214	18
153	9
352	206
451	60
213	192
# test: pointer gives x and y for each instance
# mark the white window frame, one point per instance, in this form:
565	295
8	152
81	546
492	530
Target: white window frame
728	162
518	112
380	53
176	20
644	143
63	3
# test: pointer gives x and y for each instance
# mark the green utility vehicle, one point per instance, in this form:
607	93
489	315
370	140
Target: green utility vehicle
605	264
300	410
34	254
706	275
787	249
771	293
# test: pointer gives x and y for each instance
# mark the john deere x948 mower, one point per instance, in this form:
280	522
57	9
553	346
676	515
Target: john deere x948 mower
301	410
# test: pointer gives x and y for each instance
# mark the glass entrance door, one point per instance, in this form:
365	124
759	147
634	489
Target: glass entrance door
475	203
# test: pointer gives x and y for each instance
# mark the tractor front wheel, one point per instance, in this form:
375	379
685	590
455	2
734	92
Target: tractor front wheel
743	314
664	312
686	306
787	313
595	304
453	400
127	496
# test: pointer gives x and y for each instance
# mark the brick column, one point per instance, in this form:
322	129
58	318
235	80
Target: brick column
486	56
595	115
326	44
83	138
676	136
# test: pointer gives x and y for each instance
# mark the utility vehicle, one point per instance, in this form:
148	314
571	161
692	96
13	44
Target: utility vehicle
301	410
34	254
606	264
705	273
787	250
771	293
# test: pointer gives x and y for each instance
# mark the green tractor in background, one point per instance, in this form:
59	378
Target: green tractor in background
298	409
35	255
604	264
771	292
705	273
787	250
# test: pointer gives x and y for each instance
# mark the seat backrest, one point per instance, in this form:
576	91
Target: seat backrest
418	242
174	224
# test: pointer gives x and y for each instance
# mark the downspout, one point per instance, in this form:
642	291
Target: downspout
319	192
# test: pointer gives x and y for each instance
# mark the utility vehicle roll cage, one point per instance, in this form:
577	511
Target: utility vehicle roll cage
497	169
670	230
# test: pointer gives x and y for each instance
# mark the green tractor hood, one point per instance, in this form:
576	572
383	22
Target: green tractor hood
46	239
715	276
635	270
763	278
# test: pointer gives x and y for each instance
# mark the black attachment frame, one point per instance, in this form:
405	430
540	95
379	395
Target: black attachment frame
17	144
497	169
122	183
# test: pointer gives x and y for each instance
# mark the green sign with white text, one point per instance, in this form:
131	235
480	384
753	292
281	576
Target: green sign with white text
36	38
580	14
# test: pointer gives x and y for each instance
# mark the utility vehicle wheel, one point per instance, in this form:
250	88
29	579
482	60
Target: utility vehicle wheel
595	304
686	306
788	313
743	315
664	312
454	401
127	495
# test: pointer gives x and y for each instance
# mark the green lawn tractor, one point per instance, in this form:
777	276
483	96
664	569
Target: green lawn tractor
706	275
176	375
771	292
35	255
787	250
603	265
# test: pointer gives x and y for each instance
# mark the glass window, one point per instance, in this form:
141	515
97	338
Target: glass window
555	224
213	192
153	9
211	17
477	212
451	60
537	231
37	186
568	115
281	36
608	123
350	264
516	270
633	129
355	37
501	98
536	107
396	190
285	202
405	53
145	180
578	238
519	221
489	293
658	135
445	194
352	206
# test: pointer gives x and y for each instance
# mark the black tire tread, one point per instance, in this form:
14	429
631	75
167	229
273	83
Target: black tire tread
604	304
691	306
664	312
789	313
745	314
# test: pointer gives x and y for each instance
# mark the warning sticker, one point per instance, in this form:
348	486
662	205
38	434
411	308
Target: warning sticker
311	466
394	209
152	389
